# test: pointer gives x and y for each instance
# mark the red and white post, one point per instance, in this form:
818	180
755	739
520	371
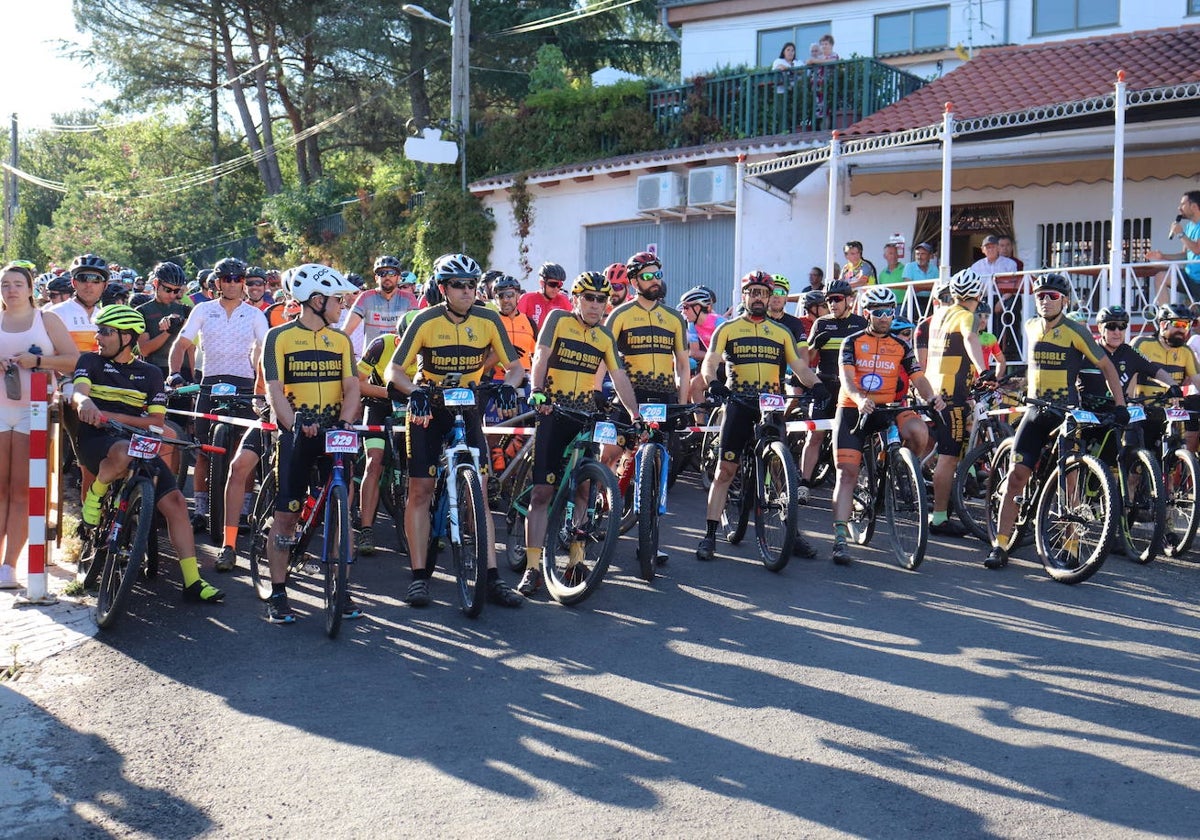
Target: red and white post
36	591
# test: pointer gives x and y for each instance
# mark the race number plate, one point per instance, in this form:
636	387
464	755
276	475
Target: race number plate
341	440
653	412
224	389
141	446
1136	413
771	402
605	433
1177	414
1082	416
458	396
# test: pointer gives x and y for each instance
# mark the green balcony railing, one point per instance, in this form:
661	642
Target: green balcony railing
820	97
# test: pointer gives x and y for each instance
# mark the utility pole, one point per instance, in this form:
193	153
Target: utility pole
460	85
10	188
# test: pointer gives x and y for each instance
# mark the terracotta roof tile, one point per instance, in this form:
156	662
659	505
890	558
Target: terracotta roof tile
1014	78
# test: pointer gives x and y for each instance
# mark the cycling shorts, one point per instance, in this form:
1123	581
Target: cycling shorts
848	444
953	431
425	445
1033	433
550	447
204	403
294	462
737	429
375	415
92	447
255	440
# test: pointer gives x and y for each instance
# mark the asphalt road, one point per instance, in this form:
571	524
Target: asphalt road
723	700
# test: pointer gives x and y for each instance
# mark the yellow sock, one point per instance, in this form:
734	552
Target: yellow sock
533	558
191	571
1002	542
574	553
231	535
99	488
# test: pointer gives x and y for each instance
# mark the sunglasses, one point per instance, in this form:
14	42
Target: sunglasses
1115	327
506	295
651	275
1049	296
387	272
591	297
883	312
1178	324
233	278
106	331
835	299
618	287
904	333
461	284
780	292
89	278
171	290
256	282
552	284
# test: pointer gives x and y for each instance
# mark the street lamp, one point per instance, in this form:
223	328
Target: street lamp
460	31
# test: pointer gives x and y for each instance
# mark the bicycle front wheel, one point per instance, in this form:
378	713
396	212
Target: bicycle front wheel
969	494
648	481
1076	518
218	477
1143	506
262	515
775	515
126	553
581	533
995	486
907	508
862	504
738	501
336	558
1180	480
469	552
514	519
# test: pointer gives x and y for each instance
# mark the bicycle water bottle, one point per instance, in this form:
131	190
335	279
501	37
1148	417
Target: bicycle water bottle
306	513
893	434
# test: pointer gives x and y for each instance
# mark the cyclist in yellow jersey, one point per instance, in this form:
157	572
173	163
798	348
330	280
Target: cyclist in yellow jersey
1170	351
756	352
1057	347
954	351
572	346
452	337
311	381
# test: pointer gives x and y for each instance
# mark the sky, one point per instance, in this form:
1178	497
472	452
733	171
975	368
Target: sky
49	83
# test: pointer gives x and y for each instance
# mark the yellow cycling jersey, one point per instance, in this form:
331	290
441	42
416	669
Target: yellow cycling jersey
648	340
948	367
757	353
1180	362
439	346
575	352
310	366
1056	355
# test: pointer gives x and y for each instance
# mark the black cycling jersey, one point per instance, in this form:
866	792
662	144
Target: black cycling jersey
826	339
1128	362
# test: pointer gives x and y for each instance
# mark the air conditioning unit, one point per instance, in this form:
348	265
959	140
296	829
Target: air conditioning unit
712	185
660	192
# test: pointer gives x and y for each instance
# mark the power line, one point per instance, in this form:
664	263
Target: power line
564	17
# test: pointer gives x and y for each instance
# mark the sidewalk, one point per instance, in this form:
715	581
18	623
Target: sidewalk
39	632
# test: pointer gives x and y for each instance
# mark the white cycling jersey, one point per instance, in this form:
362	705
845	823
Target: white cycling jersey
228	339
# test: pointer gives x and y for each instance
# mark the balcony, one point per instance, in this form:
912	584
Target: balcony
811	98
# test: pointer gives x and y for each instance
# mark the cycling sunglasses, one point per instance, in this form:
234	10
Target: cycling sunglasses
232	278
461	283
883	312
835	299
651	275
387	272
1048	295
1113	327
592	297
256	282
171	290
780	292
106	331
1178	323
89	278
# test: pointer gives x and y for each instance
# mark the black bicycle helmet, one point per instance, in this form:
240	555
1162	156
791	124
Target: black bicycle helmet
386	261
170	273
1052	282
229	267
114	293
553	271
256	271
839	287
89	264
1172	312
1113	315
60	285
506	283
814	298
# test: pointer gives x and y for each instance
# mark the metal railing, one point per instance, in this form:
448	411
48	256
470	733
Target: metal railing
820	97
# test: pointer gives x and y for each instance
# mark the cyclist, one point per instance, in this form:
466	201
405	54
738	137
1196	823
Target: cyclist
256	288
1170	352
311	385
939	297
572	347
59	289
1058	348
756	352
452	337
111	384
537	305
825	348
618	278
89	277
519	327
202	288
232	332
815	306
954	349
164	315
874	363
377	405
379	310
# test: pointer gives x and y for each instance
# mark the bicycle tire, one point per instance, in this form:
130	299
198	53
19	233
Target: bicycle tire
1058	526
519	491
647	483
629	515
710	445
776	517
335	558
995	488
678	458
906	505
861	523
599	525
1143	506
823	470
738	500
1181	477
262	515
470	554
185	455
218	477
969	493
123	563
393	496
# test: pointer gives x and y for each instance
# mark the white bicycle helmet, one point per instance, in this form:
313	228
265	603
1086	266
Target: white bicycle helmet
877	296
456	265
694	295
315	279
966	284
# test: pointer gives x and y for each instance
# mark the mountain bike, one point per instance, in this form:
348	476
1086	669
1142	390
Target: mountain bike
1181	477
989	427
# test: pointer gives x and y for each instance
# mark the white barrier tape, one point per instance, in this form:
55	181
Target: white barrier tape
508	430
232	421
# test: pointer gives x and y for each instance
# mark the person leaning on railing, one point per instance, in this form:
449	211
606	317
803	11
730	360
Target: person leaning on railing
1187	228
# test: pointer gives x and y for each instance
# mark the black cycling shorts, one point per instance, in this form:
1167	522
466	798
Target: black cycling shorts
554	435
1033	433
425	444
92	447
849	445
737	429
953	431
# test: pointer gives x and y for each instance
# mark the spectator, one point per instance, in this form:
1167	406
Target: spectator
1008	248
29	338
893	271
816	280
922	268
857	271
826	44
1188	231
824	55
787	57
989	264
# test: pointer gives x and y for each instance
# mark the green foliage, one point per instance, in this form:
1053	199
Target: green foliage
298	219
550	71
451	222
564	126
379	224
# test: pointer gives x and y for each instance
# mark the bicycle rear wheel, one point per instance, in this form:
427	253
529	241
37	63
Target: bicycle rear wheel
514	519
995	487
738	501
1075	522
969	494
710	445
127	552
775	514
907	508
262	515
1180	480
1143	506
470	552
862	504
581	533
648	481
336	558
218	477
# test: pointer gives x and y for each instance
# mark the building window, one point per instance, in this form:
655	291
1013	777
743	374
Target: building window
1194	7
1067	244
803	35
912	31
1053	16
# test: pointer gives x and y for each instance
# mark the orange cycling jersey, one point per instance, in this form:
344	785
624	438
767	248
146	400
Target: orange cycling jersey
878	365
